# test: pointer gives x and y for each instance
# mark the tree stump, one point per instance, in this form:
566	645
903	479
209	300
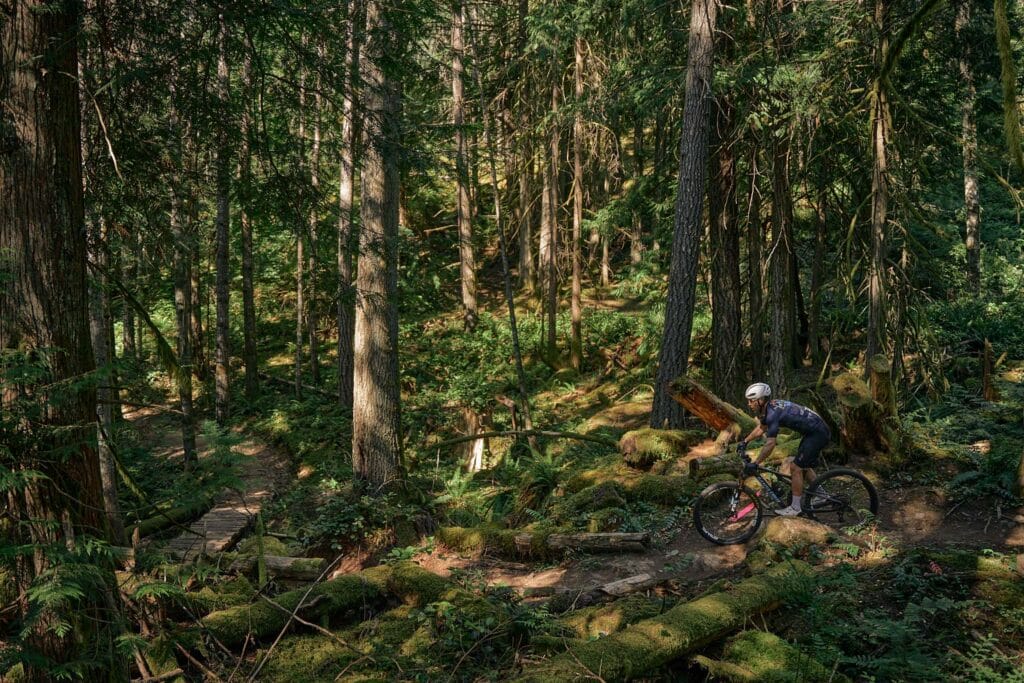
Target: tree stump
862	427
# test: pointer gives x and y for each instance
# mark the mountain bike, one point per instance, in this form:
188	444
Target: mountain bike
731	512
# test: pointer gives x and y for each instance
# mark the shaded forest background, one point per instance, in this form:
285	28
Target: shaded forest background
363	230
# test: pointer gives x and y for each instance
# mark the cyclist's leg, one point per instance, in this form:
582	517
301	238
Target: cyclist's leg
806	458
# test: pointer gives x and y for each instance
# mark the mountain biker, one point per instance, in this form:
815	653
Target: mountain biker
772	414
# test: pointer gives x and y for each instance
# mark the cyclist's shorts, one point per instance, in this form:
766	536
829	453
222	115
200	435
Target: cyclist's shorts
810	446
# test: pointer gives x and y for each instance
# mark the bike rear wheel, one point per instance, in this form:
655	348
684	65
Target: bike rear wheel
841	497
727	513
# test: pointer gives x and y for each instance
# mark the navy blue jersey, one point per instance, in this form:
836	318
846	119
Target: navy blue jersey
779	413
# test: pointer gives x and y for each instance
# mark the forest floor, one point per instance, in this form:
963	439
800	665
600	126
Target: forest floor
910	517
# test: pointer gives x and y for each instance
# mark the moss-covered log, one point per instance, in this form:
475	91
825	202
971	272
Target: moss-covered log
635	486
338	599
760	656
544	543
649	644
641	448
295	568
713	411
699	468
603	620
178	516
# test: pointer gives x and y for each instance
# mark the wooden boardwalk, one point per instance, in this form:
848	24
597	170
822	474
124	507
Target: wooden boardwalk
222	527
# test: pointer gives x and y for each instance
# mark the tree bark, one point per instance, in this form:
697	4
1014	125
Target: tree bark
376	416
549	230
527	271
312	315
878	264
636	228
463	204
779	283
346	189
818	270
250	354
969	134
755	273
576	343
44	307
725	259
222	394
103	352
693	159
194	259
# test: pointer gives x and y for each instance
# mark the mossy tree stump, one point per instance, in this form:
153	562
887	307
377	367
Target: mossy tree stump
863	429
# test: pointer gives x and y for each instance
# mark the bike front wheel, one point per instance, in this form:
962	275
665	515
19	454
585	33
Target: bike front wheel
727	513
841	497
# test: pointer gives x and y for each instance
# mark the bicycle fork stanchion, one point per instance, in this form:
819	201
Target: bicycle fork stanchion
740	514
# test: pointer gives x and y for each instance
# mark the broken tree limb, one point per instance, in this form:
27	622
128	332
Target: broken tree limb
651	643
713	411
527	433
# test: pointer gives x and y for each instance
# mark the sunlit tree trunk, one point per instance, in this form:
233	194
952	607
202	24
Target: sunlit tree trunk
222	395
376	415
346	186
549	235
636	229
196	265
463	201
779	283
527	271
693	163
969	132
576	343
313	317
878	264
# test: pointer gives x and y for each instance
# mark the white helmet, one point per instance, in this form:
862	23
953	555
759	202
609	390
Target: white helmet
758	391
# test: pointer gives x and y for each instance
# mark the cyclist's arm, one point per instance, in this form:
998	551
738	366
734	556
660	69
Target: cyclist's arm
766	450
755	434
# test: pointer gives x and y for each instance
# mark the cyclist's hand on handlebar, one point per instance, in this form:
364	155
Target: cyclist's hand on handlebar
741	450
749	469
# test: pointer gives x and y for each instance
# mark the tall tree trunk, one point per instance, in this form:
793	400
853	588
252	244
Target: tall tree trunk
549	230
969	132
636	233
222	395
250	354
878	264
755	273
313	318
725	259
195	261
463	202
576	344
44	309
129	347
779	284
376	415
693	162
300	252
818	268
527	271
103	352
346	188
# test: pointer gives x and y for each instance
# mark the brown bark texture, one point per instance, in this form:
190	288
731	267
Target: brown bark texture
223	163
376	419
693	157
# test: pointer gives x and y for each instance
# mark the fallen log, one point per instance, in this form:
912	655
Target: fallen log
518	543
651	643
713	411
295	568
334	600
641	448
760	655
178	516
704	467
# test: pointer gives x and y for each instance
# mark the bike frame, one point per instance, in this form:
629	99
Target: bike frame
765	486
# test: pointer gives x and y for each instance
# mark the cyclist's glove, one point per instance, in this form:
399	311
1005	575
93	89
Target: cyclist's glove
741	449
749	469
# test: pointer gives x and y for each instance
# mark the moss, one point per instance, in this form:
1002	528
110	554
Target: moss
651	643
230	593
795	533
852	390
351	593
763	656
179	515
641	448
634	486
271	546
501	542
608	494
594	622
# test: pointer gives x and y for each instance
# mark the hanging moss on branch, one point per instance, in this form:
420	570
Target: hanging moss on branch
649	644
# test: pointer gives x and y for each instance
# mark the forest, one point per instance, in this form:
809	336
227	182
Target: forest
406	340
